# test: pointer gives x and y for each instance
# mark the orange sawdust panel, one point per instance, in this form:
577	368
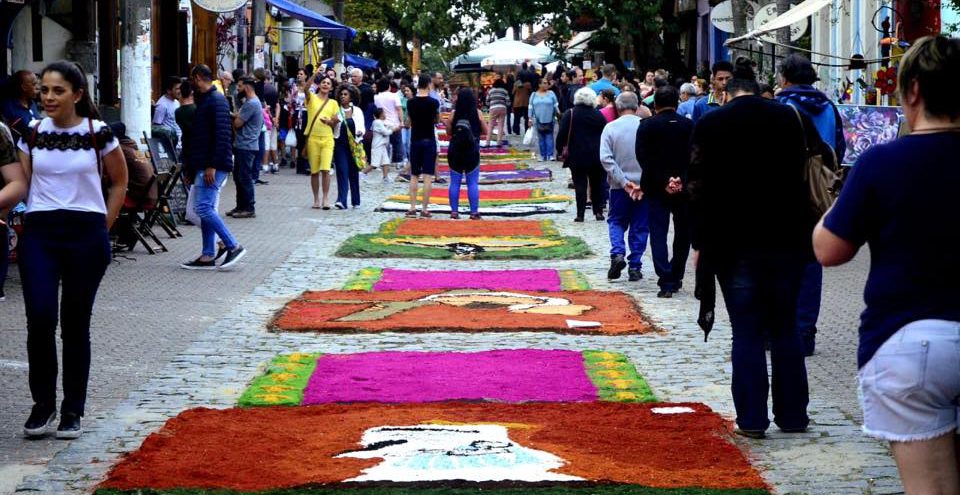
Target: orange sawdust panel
453	228
580	312
283	447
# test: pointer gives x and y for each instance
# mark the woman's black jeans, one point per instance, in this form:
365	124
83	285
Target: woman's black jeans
592	176
68	250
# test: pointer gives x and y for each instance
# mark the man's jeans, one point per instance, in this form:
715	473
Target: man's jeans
808	306
670	272
244	162
761	299
628	217
211	225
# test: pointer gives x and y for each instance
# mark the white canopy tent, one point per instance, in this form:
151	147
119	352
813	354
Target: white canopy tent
798	13
503	52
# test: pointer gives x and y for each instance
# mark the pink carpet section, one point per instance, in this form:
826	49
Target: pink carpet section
532	280
520	375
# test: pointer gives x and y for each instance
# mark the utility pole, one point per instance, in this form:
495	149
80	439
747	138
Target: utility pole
135	67
338	55
258	29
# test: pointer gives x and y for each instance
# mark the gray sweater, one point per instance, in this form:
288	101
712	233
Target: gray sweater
618	151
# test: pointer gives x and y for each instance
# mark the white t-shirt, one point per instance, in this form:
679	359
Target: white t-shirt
389	102
65	170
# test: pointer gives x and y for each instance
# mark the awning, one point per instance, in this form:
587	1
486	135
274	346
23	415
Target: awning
351	60
312	20
796	14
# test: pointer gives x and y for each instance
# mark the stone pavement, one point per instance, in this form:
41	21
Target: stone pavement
212	354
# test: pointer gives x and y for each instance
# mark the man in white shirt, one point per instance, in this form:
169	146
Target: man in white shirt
392	109
164	116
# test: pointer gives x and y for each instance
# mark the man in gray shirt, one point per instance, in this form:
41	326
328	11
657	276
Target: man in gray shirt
246	147
628	210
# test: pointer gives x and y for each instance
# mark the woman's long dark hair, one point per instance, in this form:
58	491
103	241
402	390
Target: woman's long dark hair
74	74
466	108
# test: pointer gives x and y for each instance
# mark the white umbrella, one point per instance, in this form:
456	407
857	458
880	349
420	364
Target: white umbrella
505	52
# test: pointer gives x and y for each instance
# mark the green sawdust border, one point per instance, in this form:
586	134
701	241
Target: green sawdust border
366	278
361	246
637	387
570	489
252	397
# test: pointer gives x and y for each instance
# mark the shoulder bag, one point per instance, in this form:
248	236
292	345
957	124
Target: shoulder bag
818	177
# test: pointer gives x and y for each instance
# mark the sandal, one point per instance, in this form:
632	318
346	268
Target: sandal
411	214
426	214
474	216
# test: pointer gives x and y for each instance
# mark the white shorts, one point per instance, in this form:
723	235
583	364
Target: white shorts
380	156
271	144
910	388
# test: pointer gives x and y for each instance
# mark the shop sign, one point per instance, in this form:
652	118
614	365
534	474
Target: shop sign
220	6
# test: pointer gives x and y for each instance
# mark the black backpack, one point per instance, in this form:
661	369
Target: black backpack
463	153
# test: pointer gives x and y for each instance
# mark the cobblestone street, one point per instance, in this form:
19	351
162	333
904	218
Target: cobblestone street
165	339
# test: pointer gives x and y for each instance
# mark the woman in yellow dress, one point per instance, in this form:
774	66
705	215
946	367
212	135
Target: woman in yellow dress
322	117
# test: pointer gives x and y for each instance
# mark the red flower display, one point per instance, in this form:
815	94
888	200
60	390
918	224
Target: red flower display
886	80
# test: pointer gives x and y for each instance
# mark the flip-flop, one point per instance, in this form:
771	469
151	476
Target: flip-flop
315	207
425	214
411	214
325	208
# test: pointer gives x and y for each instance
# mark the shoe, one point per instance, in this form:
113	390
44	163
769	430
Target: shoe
454	215
754	434
475	216
261	182
232	212
355	207
809	342
199	265
794	430
578	219
265	167
634	274
340	206
69	427
3	297
40	420
221	250
363	177
440	180
233	257
388	180
617	264
403	178
599	217
664	294
245	214
274	168
426	214
570	185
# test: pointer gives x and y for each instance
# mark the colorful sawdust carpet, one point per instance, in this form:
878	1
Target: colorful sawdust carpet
512	202
543	279
512	375
506	173
447	447
574	312
464	239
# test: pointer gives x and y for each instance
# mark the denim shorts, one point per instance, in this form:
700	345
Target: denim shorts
910	389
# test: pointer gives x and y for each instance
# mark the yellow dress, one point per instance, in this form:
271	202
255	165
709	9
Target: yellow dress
320	136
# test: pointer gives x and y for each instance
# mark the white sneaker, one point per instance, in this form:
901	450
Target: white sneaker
363	177
265	168
388	180
274	168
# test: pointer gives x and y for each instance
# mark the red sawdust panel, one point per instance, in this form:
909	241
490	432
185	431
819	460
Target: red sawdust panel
281	447
453	228
338	311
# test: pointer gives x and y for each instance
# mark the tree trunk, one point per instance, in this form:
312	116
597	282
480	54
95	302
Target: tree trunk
258	28
783	34
739	8
338	54
417	51
135	66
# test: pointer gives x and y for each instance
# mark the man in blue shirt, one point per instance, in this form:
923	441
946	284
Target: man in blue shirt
722	74
609	72
688	98
21	108
246	147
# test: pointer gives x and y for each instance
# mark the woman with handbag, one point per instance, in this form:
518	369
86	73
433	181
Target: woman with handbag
578	146
323	116
348	153
65	242
543	111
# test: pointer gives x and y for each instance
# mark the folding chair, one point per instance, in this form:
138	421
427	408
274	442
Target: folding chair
131	227
163	159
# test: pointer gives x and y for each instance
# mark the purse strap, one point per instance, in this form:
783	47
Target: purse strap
803	129
314	119
93	138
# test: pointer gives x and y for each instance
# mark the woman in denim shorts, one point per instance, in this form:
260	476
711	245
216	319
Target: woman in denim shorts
900	199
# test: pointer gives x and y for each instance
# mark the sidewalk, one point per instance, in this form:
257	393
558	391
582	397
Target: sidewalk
220	346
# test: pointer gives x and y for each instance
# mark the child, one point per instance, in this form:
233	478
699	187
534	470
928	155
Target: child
380	149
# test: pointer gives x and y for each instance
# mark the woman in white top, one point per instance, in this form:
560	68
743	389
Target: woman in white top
68	159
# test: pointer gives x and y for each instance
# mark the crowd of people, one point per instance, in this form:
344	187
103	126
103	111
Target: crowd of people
732	162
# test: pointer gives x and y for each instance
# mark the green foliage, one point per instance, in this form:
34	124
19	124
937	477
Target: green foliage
362	246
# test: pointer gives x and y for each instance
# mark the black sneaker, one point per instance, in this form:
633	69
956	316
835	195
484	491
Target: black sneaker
634	274
40	420
664	294
3	296
754	434
245	214
233	257
69	428
261	182
197	264
617	264
232	212
221	250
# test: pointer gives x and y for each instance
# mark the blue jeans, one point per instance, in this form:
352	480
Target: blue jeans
546	144
669	272
761	298
628	217
68	249
348	175
211	224
473	189
245	164
257	164
405	136
808	305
